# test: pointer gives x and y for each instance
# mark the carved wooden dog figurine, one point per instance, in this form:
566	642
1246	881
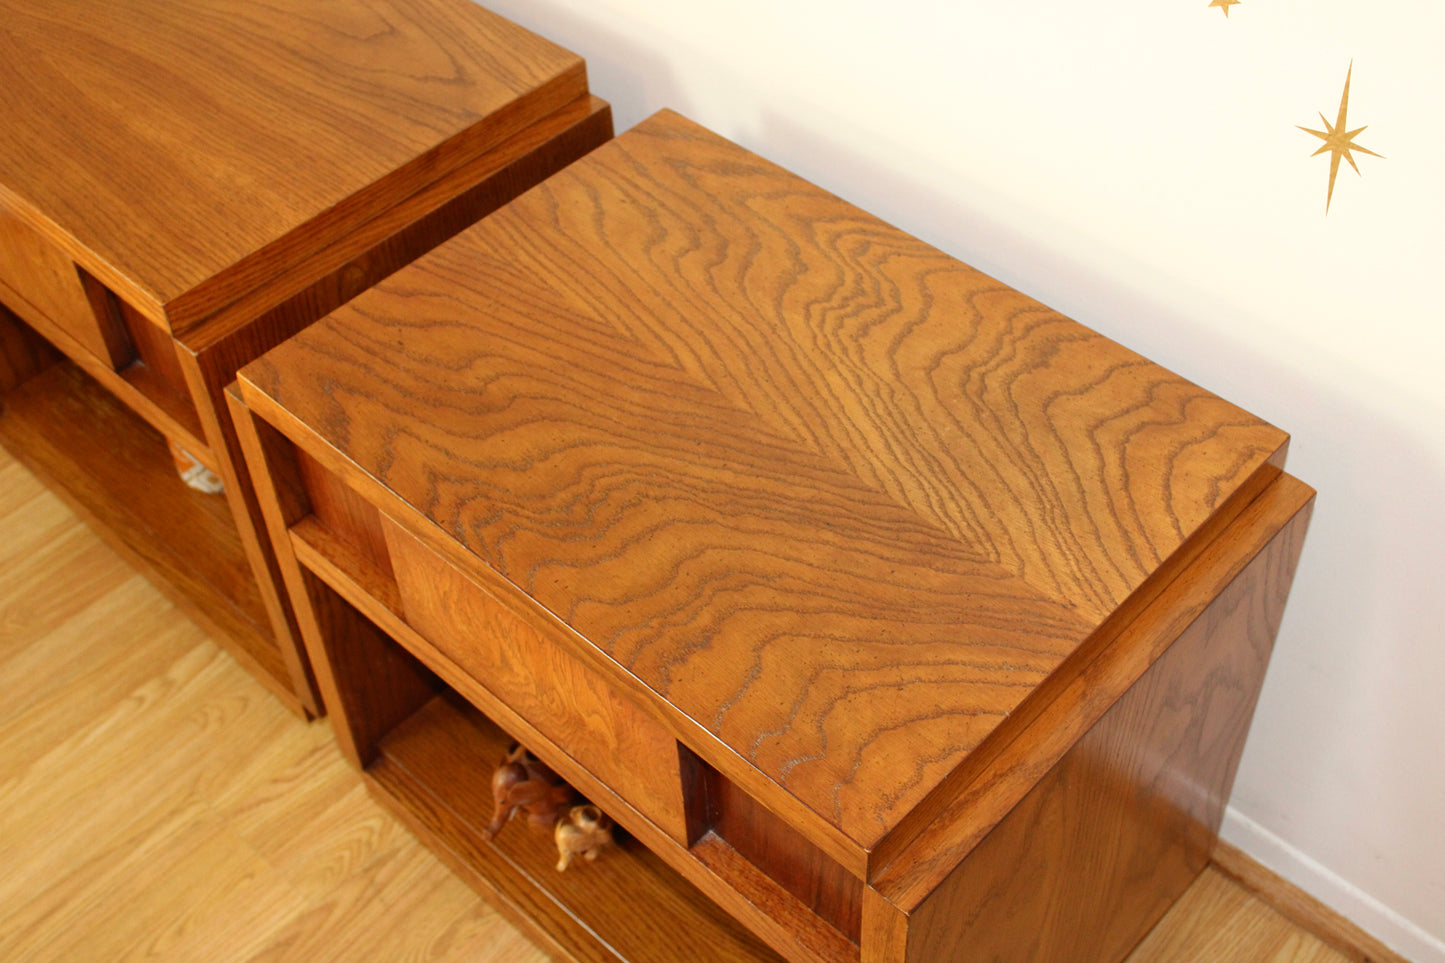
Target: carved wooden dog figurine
584	831
522	782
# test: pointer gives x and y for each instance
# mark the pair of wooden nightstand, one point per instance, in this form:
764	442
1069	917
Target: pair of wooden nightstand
894	617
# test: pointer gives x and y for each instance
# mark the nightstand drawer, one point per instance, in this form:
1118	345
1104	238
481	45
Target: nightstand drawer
591	721
44	286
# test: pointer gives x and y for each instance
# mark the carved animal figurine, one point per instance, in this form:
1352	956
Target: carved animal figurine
584	831
522	783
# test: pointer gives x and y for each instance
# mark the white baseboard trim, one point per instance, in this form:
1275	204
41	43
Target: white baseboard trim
1374	917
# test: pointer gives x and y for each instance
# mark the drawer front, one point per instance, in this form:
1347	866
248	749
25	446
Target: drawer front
44	287
569	703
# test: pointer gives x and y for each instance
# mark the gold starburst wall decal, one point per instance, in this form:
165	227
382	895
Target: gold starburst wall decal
1339	141
1223	5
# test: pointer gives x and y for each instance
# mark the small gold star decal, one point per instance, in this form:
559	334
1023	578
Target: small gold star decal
1339	141
1223	5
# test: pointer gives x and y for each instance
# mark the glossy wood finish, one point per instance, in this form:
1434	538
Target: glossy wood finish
185	185
783	854
1277	517
906	564
353	522
372	688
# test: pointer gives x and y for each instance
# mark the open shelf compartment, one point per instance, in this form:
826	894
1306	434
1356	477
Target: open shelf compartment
432	765
116	471
434	770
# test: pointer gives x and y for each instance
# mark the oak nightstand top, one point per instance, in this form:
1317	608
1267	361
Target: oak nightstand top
842	500
185	152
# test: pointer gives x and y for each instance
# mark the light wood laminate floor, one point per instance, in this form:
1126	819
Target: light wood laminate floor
156	803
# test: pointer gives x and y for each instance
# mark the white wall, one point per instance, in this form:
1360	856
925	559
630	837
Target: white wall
1136	165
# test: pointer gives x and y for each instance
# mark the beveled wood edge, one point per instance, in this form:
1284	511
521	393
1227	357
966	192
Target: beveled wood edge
96	266
200	302
1300	908
274	514
981	760
861	862
725	760
578	126
1282	510
863	857
256	542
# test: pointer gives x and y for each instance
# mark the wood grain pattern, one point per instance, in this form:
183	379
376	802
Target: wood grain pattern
210	354
734	884
108	315
348	571
840	500
172	414
919	868
785	922
219	412
1219	920
370	684
155	349
368	687
368	702
351	520
274	127
305	289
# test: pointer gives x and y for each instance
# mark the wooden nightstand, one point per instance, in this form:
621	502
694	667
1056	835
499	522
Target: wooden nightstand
887	610
182	186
